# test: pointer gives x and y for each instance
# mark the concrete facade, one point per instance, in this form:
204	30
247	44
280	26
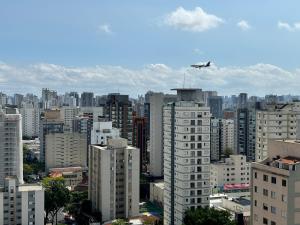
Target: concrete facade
114	179
11	147
276	185
277	122
65	150
233	170
186	132
21	204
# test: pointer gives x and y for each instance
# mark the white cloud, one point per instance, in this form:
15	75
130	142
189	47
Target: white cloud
197	51
256	79
244	25
105	28
196	20
289	27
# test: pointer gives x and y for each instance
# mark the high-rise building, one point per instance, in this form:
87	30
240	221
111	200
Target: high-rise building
186	132
206	95
102	132
87	99
156	101
278	121
155	115
21	203
76	96
50	123
18	99
242	100
3	99
49	98
241	131
276	185
216	141
215	104
11	148
228	134
65	150
118	109
68	114
139	140
30	120
84	125
114	179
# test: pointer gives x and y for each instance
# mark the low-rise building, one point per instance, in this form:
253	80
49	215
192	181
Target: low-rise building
157	193
234	170
72	175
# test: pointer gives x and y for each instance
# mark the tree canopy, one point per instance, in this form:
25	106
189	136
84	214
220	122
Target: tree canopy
56	196
207	216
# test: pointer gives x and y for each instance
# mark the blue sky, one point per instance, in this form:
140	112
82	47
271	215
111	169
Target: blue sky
138	33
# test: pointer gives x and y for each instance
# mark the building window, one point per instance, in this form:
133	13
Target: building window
283	213
265	206
265	221
283	198
192	122
273	180
283	183
273	210
273	223
265	177
273	195
255	189
265	192
255	175
255	203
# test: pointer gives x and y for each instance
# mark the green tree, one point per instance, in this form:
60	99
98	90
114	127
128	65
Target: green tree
27	169
228	152
119	222
57	196
207	216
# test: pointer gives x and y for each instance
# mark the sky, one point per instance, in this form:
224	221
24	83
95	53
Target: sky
137	45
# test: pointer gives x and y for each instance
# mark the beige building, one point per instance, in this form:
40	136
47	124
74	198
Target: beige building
65	150
276	185
157	192
114	179
233	170
276	123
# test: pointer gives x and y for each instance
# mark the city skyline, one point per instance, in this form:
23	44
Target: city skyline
98	47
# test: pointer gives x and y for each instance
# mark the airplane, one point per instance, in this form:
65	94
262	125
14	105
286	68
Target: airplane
200	66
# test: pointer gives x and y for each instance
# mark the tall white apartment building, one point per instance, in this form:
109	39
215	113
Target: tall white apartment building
102	131
114	176
228	134
276	185
233	170
30	120
277	122
11	148
21	203
68	114
65	150
186	132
